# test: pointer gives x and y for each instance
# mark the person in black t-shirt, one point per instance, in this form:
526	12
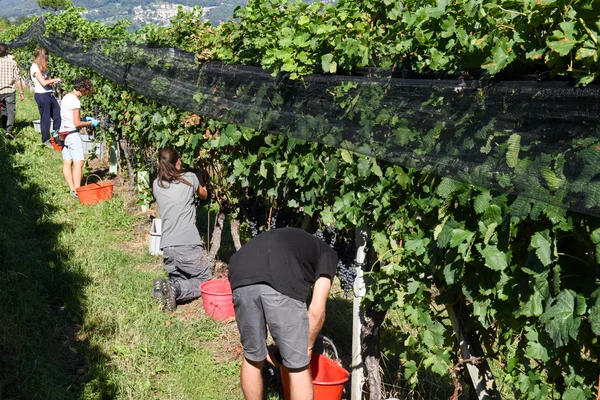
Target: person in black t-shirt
271	277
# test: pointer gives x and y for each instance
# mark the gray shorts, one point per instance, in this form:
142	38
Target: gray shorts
286	318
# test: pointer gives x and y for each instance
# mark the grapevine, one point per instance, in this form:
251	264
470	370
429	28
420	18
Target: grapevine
526	271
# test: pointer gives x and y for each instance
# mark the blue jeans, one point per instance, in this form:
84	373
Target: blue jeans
49	110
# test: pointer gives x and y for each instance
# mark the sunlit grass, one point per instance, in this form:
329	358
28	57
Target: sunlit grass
77	320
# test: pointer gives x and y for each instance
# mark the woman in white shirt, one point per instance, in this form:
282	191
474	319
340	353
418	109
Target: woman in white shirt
47	104
72	152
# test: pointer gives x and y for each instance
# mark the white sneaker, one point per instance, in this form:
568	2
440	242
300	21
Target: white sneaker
74	194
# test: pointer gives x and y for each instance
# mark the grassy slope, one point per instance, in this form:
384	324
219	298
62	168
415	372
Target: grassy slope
76	319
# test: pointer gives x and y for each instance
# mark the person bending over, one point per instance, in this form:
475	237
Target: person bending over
183	255
47	104
271	277
71	121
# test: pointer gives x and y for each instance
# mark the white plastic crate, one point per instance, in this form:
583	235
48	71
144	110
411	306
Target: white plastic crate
89	145
36	125
155	233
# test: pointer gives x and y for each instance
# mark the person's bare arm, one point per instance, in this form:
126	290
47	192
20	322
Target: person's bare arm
77	120
19	85
316	309
45	82
202	191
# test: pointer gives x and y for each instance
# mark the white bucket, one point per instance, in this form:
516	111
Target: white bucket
89	145
155	233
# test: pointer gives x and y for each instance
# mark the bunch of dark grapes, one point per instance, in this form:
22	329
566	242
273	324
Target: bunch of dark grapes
346	276
346	270
285	217
255	213
344	247
329	235
319	235
253	228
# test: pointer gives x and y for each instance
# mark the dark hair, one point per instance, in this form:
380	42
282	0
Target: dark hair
3	50
167	167
83	84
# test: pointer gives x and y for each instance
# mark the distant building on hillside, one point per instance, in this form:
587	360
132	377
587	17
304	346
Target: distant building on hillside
158	14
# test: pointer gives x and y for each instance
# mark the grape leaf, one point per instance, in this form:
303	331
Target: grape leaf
595	236
347	156
537	351
541	242
595	317
565	40
438	363
533	306
562	319
459	236
575	394
410	368
494	258
482	202
514	146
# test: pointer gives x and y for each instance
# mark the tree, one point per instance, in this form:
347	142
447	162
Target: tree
4	23
55	5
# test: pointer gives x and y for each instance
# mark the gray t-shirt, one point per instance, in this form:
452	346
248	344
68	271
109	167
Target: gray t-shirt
177	211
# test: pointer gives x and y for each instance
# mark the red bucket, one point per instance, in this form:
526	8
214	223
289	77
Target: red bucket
328	378
54	144
94	192
217	299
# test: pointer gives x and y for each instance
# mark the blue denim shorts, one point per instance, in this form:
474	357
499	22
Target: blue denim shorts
73	149
286	318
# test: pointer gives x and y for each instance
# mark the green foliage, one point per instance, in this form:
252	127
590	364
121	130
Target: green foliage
526	271
71	22
562	317
422	36
55	5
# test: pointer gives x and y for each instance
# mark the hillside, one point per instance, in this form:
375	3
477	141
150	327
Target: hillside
15	8
137	11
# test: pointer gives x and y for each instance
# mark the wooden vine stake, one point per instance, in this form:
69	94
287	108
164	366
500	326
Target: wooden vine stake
472	355
215	241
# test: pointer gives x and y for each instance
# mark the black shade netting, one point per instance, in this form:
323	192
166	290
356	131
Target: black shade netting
535	139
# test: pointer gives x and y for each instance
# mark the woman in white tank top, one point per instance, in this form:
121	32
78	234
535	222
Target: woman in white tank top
47	103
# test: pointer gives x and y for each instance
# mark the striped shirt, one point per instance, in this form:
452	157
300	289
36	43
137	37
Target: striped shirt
9	75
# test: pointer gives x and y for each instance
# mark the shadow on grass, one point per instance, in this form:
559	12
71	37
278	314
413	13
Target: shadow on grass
21	126
42	354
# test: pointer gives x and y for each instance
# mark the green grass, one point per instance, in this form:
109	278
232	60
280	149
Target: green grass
76	318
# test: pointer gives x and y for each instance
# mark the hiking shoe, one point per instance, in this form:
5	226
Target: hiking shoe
74	194
157	290
169	293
